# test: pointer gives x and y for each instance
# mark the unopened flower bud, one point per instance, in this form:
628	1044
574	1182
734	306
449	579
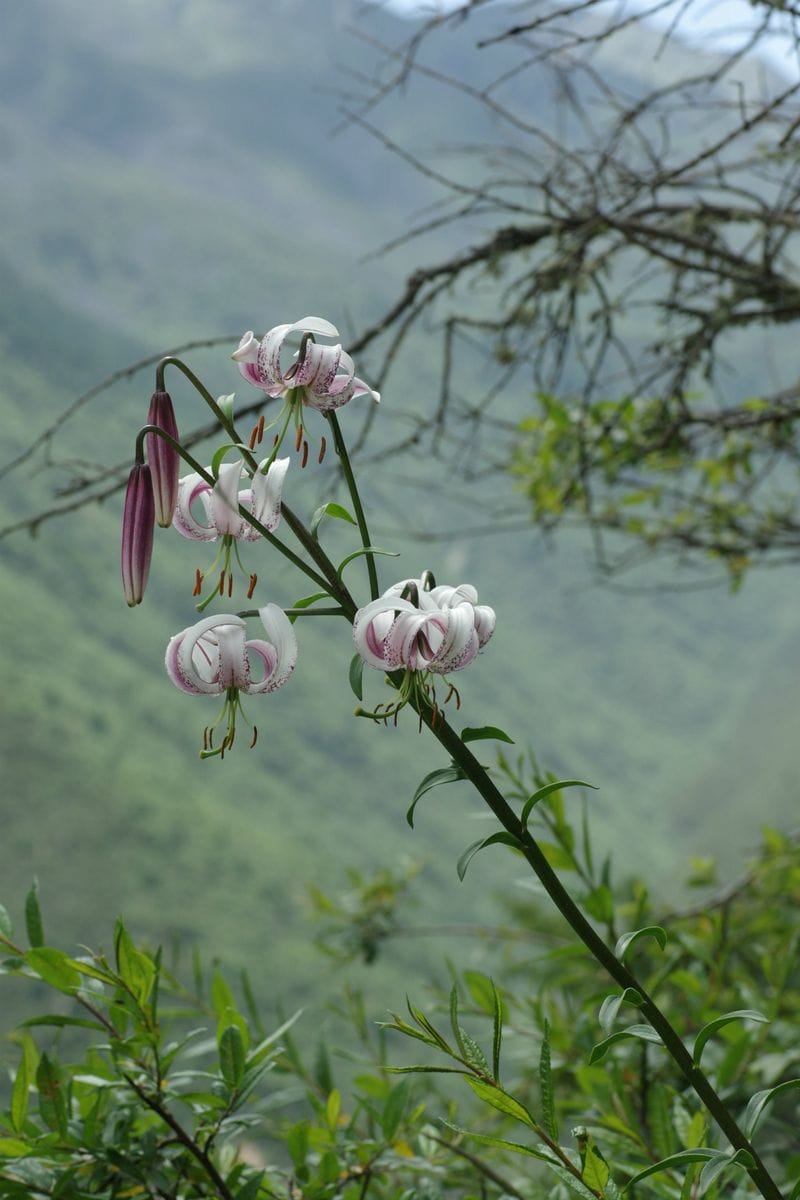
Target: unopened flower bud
138	527
163	458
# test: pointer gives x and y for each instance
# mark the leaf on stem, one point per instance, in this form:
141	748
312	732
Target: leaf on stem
708	1031
356	676
643	1032
506	839
758	1102
546	1086
547	790
451	774
365	550
485	733
612	1004
329	510
629	939
33	916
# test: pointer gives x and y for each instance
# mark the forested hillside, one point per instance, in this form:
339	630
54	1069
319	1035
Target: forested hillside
180	171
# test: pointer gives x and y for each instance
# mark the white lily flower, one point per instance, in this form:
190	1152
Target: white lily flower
324	375
412	628
213	658
221	502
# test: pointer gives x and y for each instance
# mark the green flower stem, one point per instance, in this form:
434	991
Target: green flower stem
463	757
321	581
344	459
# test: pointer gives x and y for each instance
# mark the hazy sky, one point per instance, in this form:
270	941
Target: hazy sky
721	25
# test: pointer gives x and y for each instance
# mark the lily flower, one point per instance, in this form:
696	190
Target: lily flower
322	377
138	527
213	658
221	502
163	458
424	632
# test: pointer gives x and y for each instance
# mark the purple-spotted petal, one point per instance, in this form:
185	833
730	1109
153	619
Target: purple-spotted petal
209	657
265	497
138	527
190	488
282	645
223	500
460	644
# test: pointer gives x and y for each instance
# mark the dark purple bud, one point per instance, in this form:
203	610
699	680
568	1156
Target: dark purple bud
163	458
138	527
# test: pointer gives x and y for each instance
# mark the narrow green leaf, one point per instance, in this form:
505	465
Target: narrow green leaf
473	1053
595	1168
708	1031
501	1143
6	928
33	916
451	774
497	1098
333	1108
485	733
506	839
307	601
758	1102
356	676
481	989
714	1168
612	1004
365	550
55	968
59	1022
658	1119
393	1109
232	1056
52	1105
629	939
136	969
682	1158
643	1032
249	1190
547	790
15	1148
20	1093
497	1032
421	1069
454	1025
546	1086
329	510
575	1185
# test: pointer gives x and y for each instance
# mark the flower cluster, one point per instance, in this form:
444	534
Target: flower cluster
415	627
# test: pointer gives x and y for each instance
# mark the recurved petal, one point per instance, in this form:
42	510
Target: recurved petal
265	499
371	626
190	488
193	658
282	641
224	499
485	622
460	643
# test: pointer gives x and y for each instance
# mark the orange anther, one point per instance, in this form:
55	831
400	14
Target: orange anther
252	587
304	459
198	582
255	737
299	437
322	448
260	429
